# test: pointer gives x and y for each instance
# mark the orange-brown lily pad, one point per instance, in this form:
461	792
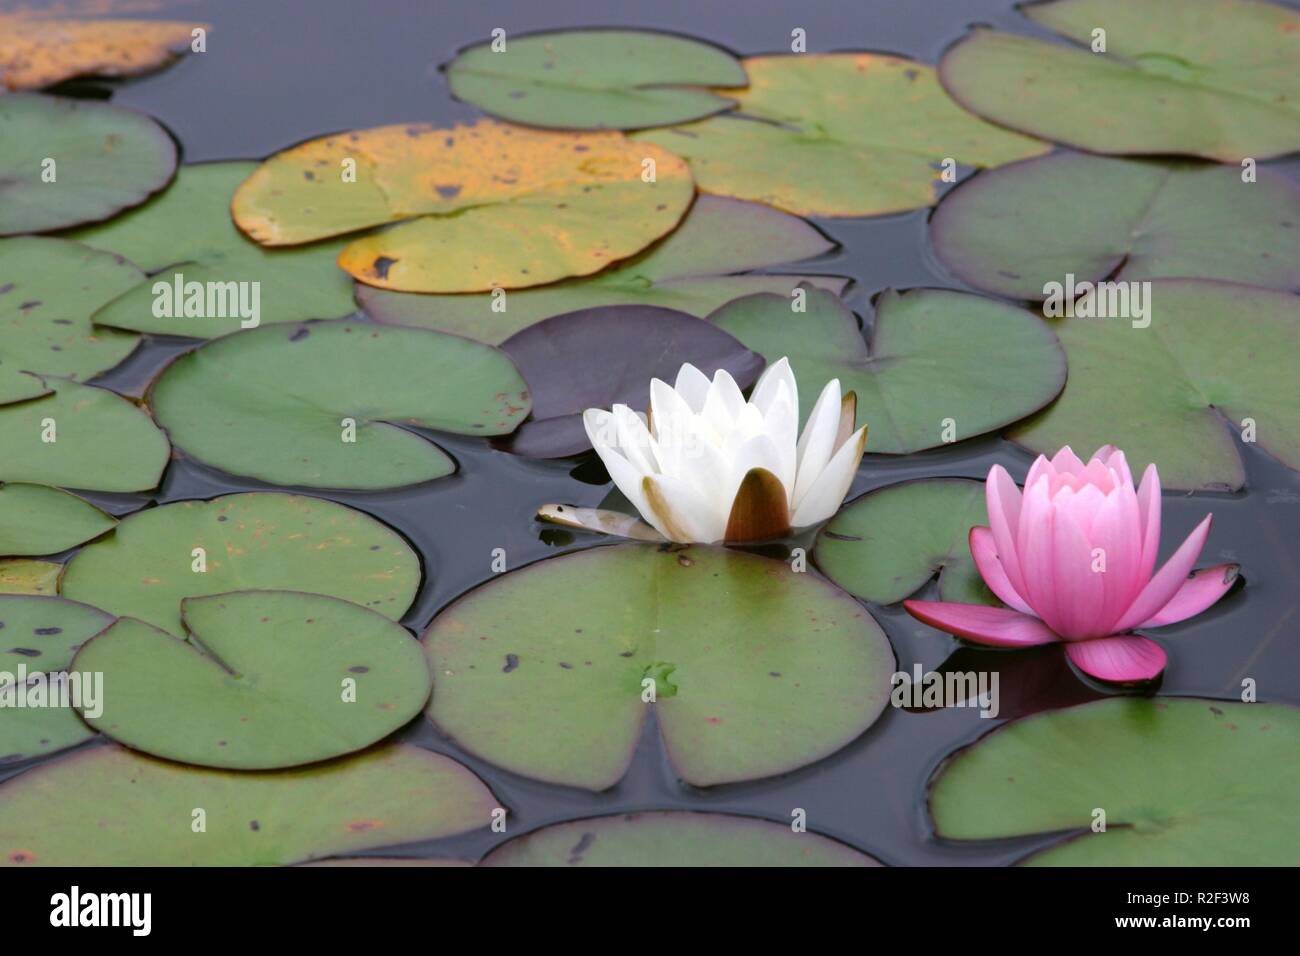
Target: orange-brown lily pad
36	52
470	208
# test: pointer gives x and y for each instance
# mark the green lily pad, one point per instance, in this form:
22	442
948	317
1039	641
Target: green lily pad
1214	355
674	838
260	539
38	519
757	669
105	159
49	288
938	366
44	633
1168	773
102	442
106	806
263	679
188	230
838	134
41	634
23	576
595	79
1129	220
885	545
1223	90
468	208
693	270
271	403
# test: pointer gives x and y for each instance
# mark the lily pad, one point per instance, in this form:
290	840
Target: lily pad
106	806
619	349
885	545
756	669
938	366
38	519
595	79
43	633
674	838
1167	772
37	52
101	441
1224	90
105	159
188	230
476	207
49	288
264	540
1129	220
1214	355
263	679
693	270
279	403
40	634
23	576
838	134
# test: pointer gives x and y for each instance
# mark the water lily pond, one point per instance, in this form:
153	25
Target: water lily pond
328	443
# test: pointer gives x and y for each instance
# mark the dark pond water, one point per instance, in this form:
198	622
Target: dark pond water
277	73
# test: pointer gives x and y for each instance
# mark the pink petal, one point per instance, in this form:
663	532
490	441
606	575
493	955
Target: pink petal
994	626
1033	539
1116	530
1161	588
985	552
1077	591
1003	500
1066	461
1120	660
1115	460
1196	594
1149	513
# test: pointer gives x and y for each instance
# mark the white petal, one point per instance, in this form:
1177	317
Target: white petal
723	404
781	424
827	493
673	421
759	452
680	513
634	439
769	386
692	385
817	443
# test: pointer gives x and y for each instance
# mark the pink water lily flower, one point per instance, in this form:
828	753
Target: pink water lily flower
1072	558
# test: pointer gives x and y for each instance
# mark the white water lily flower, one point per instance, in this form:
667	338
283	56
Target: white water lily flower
707	466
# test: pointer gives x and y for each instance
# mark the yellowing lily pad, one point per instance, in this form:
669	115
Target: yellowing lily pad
1182	782
38	52
885	545
38	519
187	230
79	436
1215	358
67	162
106	806
1130	220
1212	78
328	404
38	637
755	669
937	366
49	288
838	134
674	838
595	79
23	576
267	540
475	207
262	679
692	270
